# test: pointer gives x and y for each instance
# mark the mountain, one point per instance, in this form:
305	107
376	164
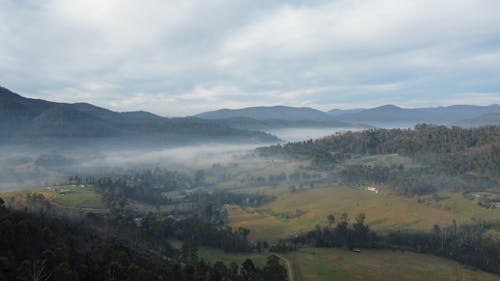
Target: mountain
25	119
268	112
337	112
247	123
485	119
435	115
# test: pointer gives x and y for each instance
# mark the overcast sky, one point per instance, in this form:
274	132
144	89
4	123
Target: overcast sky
184	57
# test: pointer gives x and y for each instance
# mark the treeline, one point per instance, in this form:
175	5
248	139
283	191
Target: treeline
343	234
220	198
467	244
145	186
34	247
197	230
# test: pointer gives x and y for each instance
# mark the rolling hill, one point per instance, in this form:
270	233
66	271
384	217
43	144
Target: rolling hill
268	112
435	115
24	119
247	123
486	119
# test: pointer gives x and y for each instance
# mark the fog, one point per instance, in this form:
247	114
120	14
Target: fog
31	166
301	134
186	157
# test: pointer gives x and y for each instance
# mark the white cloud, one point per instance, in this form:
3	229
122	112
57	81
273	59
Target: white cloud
197	55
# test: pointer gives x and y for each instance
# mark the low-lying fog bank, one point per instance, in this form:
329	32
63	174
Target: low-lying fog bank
301	134
30	166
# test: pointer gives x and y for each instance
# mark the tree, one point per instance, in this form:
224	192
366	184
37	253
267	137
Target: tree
274	270
331	219
342	229
35	270
360	230
248	270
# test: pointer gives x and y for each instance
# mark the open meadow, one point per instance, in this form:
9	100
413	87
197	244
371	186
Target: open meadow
62	196
319	264
294	212
376	265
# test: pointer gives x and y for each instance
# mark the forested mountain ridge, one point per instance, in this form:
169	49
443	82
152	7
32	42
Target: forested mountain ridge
247	123
434	115
463	159
268	112
485	119
24	119
263	117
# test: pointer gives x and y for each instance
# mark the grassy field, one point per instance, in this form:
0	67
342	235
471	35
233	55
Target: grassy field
76	198
315	264
296	212
334	264
80	197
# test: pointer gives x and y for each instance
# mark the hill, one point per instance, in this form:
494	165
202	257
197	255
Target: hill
435	115
337	112
24	119
268	112
247	123
486	119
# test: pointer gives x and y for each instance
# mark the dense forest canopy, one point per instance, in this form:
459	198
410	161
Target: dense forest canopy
36	247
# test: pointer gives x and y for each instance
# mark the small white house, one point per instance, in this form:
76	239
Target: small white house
373	189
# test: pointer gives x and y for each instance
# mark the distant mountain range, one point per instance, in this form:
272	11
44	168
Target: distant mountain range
435	115
273	117
388	115
25	119
269	112
485	119
247	123
337	112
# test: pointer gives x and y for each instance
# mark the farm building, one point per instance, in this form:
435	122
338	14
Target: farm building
64	191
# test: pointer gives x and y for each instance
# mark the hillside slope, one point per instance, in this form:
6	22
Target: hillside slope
435	115
268	112
24	119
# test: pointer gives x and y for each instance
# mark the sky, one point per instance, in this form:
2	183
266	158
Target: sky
177	58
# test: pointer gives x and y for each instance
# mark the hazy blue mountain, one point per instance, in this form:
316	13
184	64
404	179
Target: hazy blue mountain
24	119
248	123
268	112
485	119
436	115
337	112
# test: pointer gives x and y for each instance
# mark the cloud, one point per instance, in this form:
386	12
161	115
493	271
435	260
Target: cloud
177	58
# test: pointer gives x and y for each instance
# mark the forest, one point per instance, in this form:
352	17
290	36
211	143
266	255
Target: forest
465	159
36	247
